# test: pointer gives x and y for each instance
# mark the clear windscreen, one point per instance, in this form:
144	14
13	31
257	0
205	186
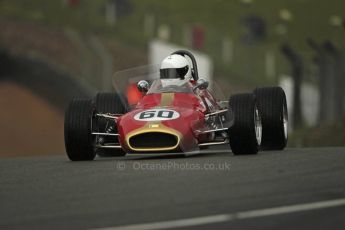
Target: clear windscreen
125	83
170	86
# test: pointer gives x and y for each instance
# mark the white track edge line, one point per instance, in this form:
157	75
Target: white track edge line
231	216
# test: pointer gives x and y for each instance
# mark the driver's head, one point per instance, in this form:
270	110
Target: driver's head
174	66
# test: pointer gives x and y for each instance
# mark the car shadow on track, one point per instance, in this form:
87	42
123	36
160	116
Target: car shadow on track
169	156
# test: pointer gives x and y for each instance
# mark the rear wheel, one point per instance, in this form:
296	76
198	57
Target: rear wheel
272	106
78	138
110	103
245	134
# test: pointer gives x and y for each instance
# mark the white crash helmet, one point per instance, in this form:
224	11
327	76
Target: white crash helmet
175	66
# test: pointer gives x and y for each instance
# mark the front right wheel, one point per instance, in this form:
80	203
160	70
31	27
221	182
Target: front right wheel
78	138
245	134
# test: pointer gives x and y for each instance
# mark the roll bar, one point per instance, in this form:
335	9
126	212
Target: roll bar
194	70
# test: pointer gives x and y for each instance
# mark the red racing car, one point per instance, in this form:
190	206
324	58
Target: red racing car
175	113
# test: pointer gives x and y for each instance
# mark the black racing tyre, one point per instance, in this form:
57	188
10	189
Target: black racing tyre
245	134
110	103
272	106
78	138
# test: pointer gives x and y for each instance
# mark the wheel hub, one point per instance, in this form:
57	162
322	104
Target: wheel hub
285	122
258	126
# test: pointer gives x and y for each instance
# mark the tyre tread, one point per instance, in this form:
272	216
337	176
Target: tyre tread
270	102
77	130
242	133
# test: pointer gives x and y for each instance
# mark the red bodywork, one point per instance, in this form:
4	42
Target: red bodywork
190	107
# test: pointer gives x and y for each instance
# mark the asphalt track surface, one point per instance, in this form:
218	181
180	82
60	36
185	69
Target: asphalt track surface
292	189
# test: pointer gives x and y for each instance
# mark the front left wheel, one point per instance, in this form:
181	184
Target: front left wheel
77	129
245	134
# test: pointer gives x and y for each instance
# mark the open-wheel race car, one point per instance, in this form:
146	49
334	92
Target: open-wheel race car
175	113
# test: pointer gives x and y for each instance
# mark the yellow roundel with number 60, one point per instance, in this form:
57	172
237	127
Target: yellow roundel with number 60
157	115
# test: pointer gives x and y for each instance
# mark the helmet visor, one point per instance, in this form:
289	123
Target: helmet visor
174	73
